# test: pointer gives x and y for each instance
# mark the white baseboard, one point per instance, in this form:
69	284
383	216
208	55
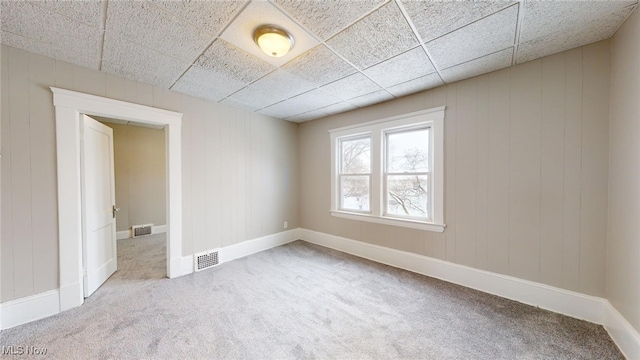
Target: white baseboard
30	308
590	308
558	300
623	334
158	229
155	229
246	248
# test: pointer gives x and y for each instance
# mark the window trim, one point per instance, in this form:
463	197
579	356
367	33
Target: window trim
340	174
377	129
385	174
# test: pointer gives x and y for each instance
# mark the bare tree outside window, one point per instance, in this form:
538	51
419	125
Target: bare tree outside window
407	173
355	173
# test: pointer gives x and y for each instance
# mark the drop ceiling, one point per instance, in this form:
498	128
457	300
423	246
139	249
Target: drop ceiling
348	54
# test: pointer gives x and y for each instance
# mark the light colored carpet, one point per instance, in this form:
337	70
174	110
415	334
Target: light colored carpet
300	301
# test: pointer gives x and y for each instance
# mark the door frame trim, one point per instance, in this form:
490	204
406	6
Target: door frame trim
69	105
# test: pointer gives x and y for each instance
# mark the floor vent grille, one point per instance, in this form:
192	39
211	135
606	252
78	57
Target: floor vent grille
205	260
141	230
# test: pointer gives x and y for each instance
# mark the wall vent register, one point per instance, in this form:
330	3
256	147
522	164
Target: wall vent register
205	260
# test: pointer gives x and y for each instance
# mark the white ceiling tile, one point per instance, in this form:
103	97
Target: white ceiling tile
370	99
433	19
302	103
309	115
338	108
128	60
351	86
404	67
45	32
416	85
88	12
253	98
208	15
379	36
145	24
74	52
224	58
206	84
257	13
483	65
237	104
543	18
486	36
326	18
281	110
281	85
319	66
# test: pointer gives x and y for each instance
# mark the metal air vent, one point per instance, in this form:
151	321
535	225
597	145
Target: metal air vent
205	260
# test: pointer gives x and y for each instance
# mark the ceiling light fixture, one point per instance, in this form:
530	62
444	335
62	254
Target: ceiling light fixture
274	41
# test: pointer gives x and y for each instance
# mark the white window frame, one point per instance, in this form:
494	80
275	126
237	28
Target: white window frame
341	174
377	129
386	174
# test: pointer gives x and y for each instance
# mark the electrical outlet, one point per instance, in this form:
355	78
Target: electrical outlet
285	225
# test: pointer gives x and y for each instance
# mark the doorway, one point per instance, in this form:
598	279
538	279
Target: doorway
69	105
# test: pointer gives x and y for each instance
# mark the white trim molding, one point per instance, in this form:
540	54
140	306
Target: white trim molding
376	133
155	229
30	308
558	300
246	248
623	334
577	305
69	106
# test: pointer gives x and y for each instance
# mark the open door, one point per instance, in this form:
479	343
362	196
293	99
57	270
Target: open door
99	252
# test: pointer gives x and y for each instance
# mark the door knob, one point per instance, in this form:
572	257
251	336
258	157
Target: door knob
114	210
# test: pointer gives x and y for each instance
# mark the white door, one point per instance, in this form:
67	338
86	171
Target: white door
99	252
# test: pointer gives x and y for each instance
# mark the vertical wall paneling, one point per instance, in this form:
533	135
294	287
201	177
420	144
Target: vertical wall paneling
450	172
144	94
115	87
257	154
198	175
6	250
21	172
89	81
248	178
214	172
552	168
572	170
437	245
187	178
498	167
482	174
64	75
623	247
594	180
43	174
241	193
465	172
256	186
524	172
227	173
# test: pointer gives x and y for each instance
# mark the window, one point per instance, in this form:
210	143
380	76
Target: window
391	171
355	174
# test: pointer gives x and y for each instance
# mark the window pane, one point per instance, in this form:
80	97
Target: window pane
354	192
408	195
356	156
408	151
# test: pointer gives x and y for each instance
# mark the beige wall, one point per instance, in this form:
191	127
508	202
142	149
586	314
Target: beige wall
140	172
526	158
239	168
623	247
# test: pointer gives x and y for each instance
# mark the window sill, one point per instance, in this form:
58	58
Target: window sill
388	221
